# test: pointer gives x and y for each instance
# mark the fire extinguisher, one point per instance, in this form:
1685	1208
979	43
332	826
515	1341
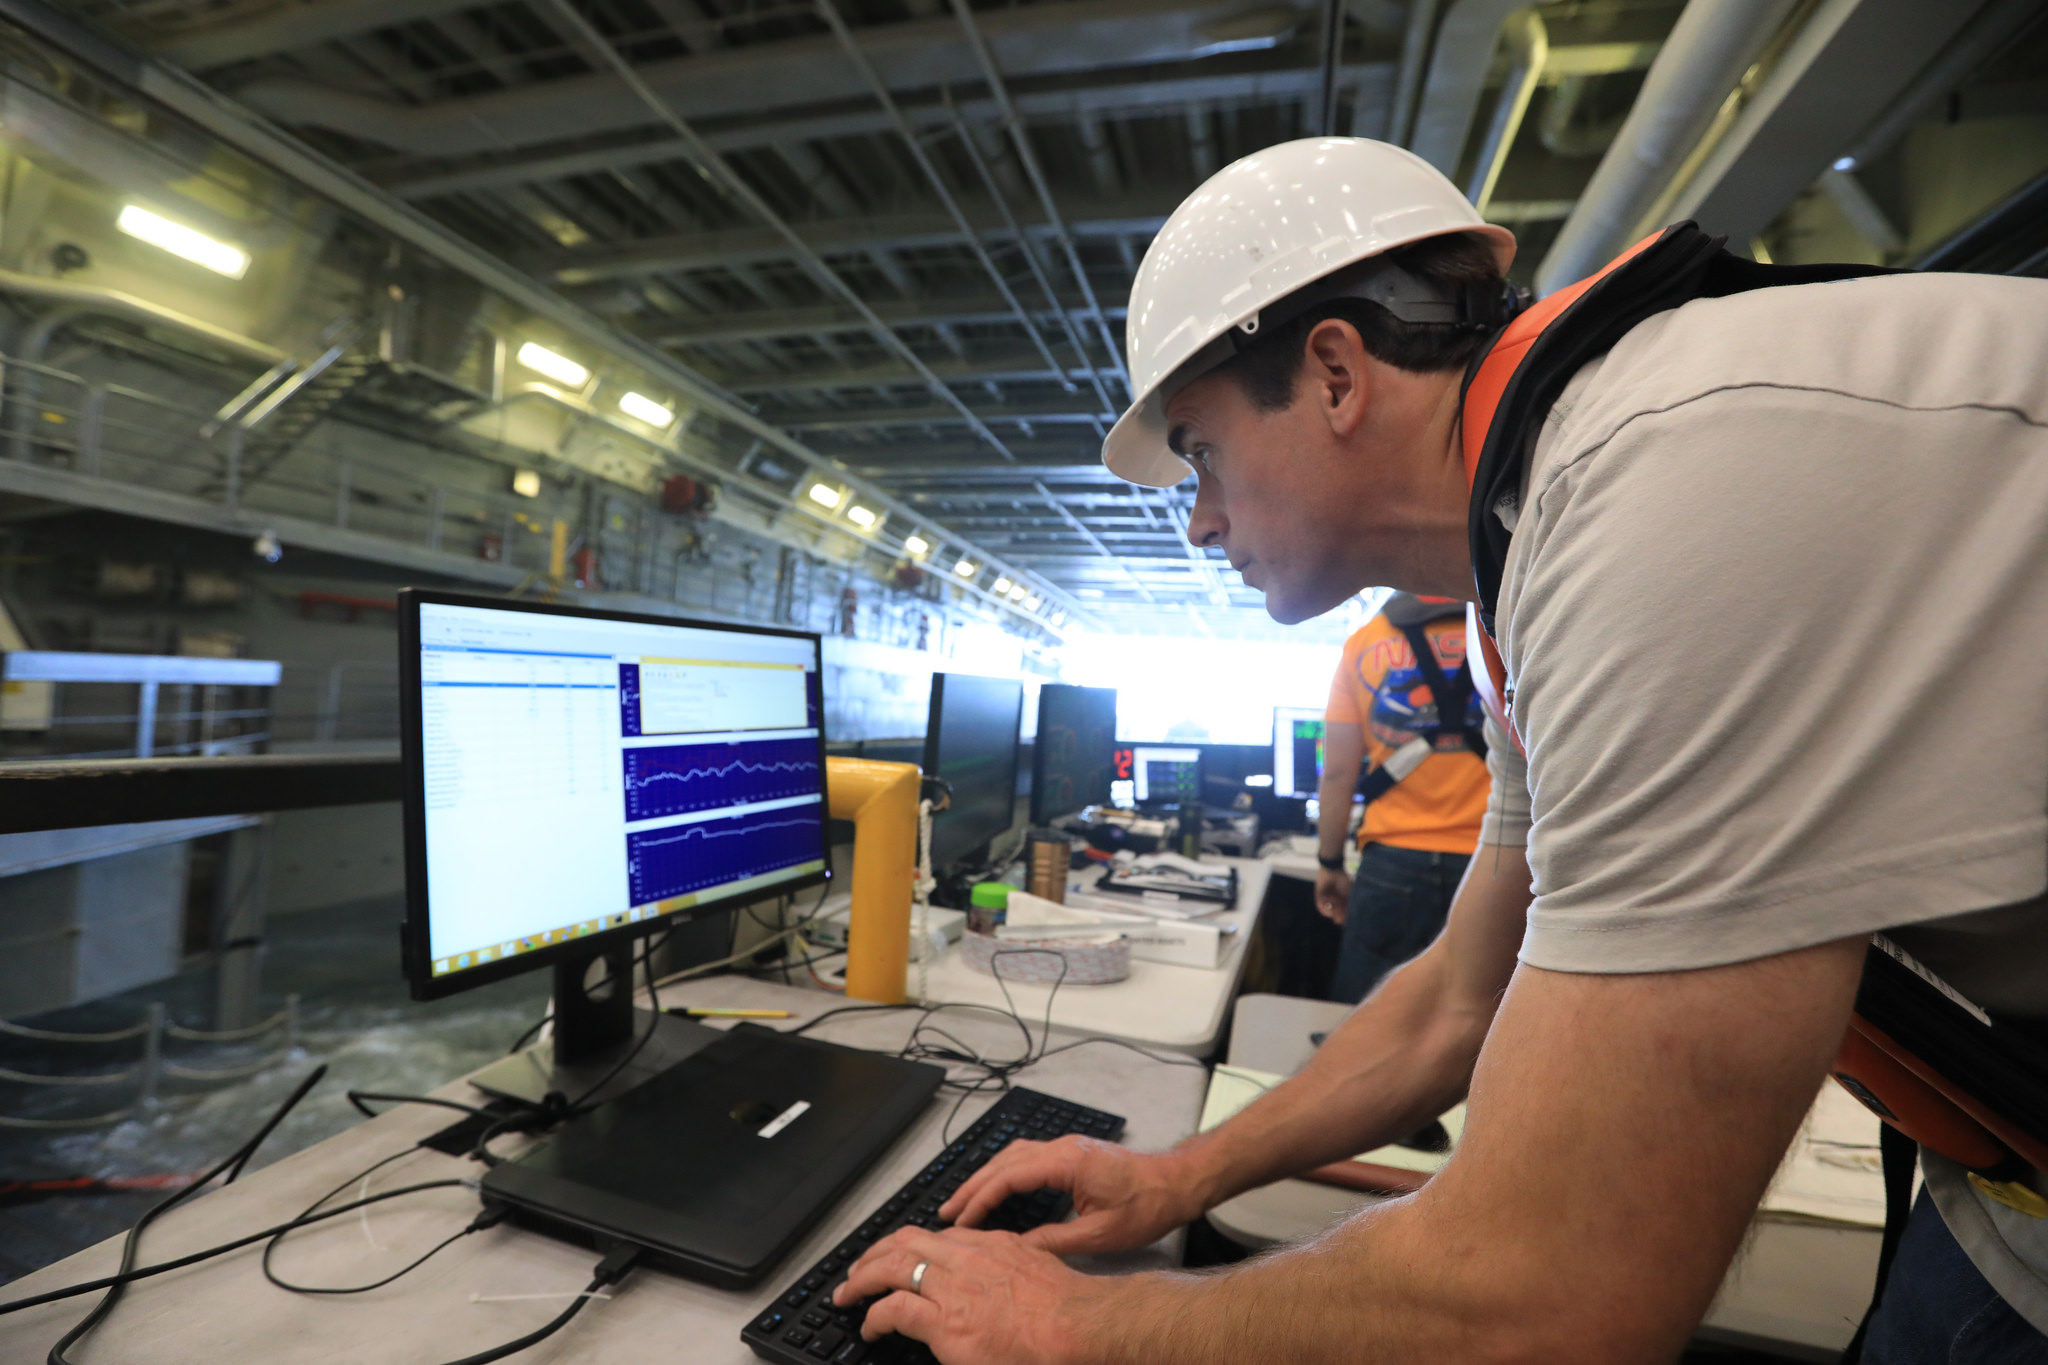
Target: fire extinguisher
583	566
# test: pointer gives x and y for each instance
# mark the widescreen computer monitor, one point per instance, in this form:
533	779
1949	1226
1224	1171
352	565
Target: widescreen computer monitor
1072	757
971	743
1166	775
1297	750
577	778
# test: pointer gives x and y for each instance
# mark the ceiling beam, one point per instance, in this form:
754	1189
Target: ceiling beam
1254	80
1079	408
1059	38
831	237
765	324
1005	365
282	28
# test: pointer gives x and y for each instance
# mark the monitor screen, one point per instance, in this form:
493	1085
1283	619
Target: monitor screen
1072	758
1166	776
1297	750
574	772
971	742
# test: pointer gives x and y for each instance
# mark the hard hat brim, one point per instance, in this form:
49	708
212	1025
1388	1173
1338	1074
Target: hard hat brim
1136	451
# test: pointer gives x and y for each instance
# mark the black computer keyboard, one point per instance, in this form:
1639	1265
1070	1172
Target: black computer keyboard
802	1326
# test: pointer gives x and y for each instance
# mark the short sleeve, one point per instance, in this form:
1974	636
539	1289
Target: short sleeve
1507	807
1777	659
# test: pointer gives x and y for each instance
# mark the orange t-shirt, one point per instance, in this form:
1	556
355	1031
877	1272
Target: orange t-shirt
1436	808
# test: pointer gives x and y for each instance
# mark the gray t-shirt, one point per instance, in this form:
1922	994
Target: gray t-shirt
1776	617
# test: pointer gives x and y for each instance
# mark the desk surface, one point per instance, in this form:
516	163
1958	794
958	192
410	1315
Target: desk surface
223	1310
1158	1005
1797	1288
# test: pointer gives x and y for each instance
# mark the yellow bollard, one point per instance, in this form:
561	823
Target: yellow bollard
881	800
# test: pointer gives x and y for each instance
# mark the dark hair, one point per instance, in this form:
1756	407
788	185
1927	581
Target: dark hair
1267	369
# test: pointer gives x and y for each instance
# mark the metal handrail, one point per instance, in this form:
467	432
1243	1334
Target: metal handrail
104	1078
154	1067
44	1035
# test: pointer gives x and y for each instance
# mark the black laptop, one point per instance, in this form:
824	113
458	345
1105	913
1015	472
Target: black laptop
721	1163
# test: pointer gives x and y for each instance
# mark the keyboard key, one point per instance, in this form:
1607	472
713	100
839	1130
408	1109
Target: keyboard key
797	1336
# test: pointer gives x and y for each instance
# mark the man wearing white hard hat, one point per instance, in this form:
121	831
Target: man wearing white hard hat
1758	561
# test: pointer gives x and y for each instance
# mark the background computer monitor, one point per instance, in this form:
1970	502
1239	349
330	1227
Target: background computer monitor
971	742
1297	750
1071	757
577	778
1166	775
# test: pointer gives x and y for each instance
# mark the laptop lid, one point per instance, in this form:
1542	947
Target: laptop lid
719	1165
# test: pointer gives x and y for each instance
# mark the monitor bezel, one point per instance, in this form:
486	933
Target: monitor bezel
1294	713
934	718
1201	774
416	941
1038	815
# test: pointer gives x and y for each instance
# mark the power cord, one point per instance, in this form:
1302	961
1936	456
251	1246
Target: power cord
490	1217
610	1271
232	1167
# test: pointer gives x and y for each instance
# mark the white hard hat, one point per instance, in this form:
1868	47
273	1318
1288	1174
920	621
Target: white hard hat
1256	232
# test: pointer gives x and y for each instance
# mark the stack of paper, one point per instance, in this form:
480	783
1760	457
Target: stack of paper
1832	1171
1392	1167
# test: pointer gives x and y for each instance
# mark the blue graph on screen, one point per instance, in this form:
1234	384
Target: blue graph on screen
683	858
674	779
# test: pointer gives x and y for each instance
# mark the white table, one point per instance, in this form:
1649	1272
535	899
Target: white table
223	1310
1796	1289
1296	856
1159	1005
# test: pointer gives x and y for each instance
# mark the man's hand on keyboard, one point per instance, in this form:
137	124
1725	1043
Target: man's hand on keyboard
986	1297
1122	1199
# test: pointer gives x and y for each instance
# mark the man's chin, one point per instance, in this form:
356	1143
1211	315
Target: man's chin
1295	604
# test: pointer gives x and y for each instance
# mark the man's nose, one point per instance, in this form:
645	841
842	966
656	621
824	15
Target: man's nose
1206	523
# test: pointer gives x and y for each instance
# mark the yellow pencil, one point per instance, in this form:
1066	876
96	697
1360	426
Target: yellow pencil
735	1014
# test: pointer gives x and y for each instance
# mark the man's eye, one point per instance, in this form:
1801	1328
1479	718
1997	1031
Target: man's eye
1200	459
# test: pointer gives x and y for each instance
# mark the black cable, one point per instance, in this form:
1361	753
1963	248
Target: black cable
126	1277
812	1023
535	1027
233	1165
357	1098
490	1217
610	1270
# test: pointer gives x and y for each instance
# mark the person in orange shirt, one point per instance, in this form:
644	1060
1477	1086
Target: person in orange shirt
1426	787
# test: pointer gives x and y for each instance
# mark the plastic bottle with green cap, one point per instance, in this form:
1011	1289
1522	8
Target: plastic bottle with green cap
988	903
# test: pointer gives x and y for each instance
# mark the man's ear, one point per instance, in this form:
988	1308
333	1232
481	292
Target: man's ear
1334	365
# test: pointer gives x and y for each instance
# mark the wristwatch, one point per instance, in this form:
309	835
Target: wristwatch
1335	864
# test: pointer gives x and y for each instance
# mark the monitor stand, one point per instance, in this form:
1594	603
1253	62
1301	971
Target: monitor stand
595	1025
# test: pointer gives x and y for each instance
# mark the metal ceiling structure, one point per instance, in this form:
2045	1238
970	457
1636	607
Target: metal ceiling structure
899	234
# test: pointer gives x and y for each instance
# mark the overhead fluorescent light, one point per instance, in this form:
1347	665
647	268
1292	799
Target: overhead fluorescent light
860	516
1017	593
646	409
526	483
186	243
555	366
917	545
824	494
1031	603
965	568
1002	585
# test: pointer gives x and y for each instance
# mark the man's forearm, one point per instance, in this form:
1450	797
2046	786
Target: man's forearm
1402	1058
1394	1065
1333	814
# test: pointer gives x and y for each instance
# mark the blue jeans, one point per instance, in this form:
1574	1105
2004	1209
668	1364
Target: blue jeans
1938	1310
1399	897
